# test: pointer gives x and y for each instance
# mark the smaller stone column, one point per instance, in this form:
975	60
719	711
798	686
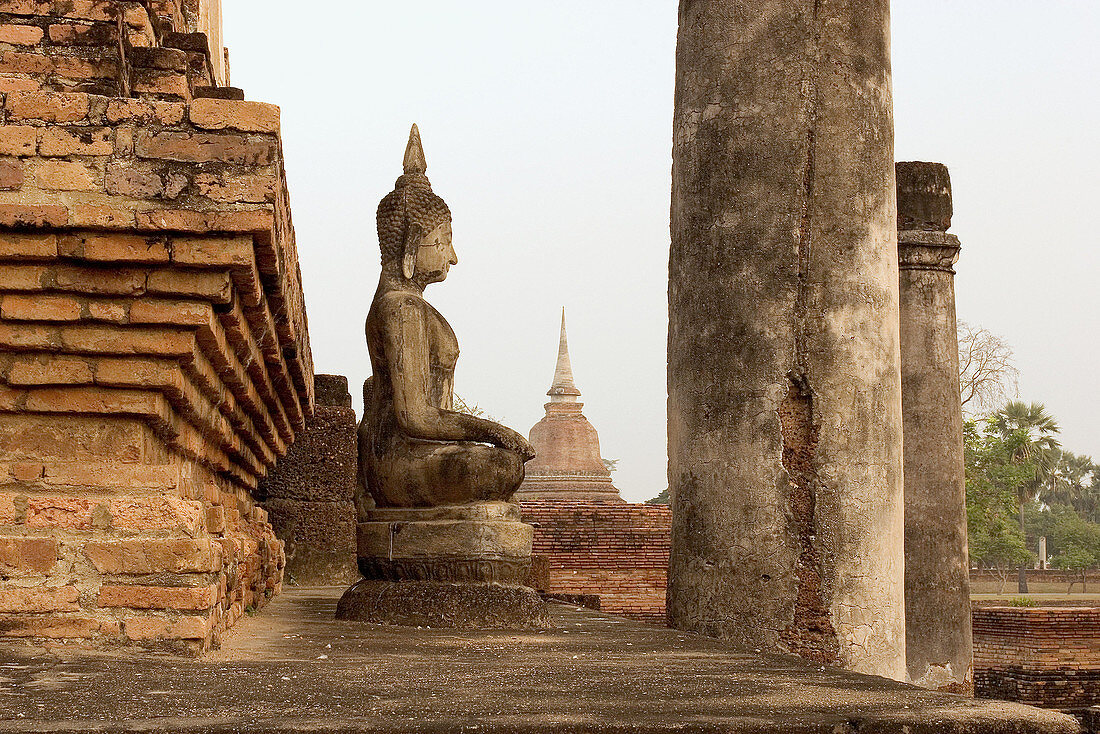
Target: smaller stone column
937	583
309	495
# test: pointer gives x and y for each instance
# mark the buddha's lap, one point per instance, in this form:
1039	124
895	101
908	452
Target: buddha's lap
433	462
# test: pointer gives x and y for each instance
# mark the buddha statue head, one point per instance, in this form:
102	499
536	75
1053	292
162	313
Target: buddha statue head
414	225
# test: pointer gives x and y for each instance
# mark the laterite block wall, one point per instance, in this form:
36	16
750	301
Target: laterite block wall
154	353
1043	656
310	494
616	551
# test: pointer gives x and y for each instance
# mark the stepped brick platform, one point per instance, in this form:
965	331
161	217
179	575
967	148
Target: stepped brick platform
614	550
293	668
154	353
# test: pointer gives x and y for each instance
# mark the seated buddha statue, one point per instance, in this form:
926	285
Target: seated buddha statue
414	450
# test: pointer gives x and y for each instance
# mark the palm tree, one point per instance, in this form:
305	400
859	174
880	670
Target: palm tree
1069	485
1029	430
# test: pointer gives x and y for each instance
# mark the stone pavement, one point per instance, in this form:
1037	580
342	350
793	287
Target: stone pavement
294	668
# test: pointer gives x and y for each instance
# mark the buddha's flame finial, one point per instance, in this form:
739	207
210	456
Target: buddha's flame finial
414	153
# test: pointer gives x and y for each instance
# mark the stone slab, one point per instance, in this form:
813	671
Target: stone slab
440	604
294	668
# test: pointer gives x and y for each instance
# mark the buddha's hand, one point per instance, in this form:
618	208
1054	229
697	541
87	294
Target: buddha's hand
513	441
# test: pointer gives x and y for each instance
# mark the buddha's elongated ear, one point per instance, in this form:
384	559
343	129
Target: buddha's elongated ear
413	235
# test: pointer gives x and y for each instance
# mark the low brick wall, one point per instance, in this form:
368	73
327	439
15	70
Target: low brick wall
616	551
1043	656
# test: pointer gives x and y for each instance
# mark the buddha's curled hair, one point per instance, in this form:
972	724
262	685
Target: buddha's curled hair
410	202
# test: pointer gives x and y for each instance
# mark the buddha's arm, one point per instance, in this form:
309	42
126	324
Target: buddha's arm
406	346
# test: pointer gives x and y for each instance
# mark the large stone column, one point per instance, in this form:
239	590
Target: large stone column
785	453
937	581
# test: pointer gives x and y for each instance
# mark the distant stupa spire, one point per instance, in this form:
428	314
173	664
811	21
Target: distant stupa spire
563	390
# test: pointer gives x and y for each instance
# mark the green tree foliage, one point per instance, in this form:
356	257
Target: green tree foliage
994	478
1021	485
1028	432
661	499
1075	483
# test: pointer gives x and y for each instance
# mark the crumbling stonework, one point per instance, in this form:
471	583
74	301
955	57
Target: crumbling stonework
154	354
937	582
785	458
310	494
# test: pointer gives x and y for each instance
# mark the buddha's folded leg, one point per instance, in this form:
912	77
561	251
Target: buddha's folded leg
426	473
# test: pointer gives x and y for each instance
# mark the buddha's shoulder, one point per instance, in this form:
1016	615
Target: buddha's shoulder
400	303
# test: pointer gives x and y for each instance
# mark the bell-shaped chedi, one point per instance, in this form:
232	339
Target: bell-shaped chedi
567	463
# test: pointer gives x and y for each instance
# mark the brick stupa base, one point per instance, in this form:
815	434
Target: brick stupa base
154	355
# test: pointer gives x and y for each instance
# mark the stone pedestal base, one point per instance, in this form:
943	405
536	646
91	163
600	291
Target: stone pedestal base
444	604
456	566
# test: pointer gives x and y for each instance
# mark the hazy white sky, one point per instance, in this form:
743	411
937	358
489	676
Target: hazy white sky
547	130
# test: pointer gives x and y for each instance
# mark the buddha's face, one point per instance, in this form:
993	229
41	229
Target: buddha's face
436	255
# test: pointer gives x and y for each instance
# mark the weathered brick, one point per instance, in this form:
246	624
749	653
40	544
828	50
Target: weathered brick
53	627
144	110
35	599
219	114
191	598
100	10
48	106
22	556
206	251
18	83
60	141
114	475
74	67
39	307
133	183
112	311
108	217
156	513
161	82
73	34
41	215
252	220
114	282
73	513
18	246
20	35
26	471
117	248
18	140
49	370
182	313
165	59
19	62
215	519
206	147
134	557
8	512
94	400
234	188
64	176
183	220
163	628
11	175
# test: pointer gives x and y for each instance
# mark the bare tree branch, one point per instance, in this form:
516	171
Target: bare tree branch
987	374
